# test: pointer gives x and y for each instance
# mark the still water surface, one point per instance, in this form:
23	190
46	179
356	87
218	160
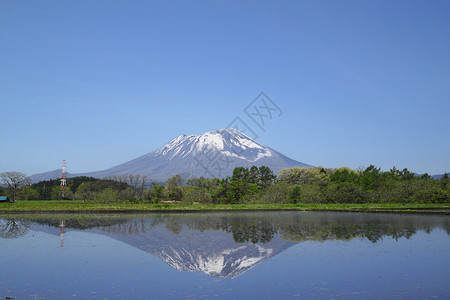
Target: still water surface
253	255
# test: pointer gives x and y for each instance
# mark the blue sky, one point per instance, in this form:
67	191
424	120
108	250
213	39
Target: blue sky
99	83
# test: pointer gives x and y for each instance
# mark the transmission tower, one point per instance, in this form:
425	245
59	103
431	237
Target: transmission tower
63	178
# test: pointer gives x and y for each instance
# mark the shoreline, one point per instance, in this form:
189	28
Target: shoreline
30	207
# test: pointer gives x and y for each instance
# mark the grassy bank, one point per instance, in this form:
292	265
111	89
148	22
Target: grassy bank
79	206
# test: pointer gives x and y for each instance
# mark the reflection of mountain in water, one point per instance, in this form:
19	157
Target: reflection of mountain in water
213	252
226	263
187	244
228	244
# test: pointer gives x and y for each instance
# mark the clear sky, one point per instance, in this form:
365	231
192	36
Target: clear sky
102	82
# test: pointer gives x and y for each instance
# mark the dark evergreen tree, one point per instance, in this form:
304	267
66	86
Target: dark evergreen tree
266	177
238	185
444	181
295	194
253	175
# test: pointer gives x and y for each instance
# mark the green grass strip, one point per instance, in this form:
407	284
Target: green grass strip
79	206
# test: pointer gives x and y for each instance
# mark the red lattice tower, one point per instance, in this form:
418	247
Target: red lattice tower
63	177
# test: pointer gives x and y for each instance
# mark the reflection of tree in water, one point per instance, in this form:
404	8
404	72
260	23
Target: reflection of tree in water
136	225
260	227
346	232
80	223
245	228
120	224
371	227
173	226
316	226
246	231
13	228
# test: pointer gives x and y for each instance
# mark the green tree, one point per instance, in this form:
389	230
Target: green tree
175	181
344	192
444	181
175	193
107	196
425	176
75	182
59	193
296	194
220	191
406	174
254	175
431	194
266	177
276	193
85	192
344	175
370	178
136	182
201	182
394	173
196	194
128	194
238	185
28	193
156	193
290	175
298	175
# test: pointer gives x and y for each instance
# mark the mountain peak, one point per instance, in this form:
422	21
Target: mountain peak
228	141
224	131
213	154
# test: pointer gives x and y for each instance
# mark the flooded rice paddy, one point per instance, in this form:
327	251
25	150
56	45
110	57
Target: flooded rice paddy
232	255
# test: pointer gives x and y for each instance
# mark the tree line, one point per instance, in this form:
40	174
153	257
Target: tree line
245	185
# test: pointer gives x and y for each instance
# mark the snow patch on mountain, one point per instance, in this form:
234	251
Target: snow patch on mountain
228	142
229	263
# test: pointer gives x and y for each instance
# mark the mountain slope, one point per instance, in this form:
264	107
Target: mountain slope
49	175
213	154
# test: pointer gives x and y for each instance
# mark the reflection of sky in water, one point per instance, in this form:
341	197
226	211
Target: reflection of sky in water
88	264
96	266
415	268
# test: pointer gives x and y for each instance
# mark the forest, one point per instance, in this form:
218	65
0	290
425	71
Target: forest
249	185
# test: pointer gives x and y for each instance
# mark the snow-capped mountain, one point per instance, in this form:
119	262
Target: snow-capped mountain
226	259
213	154
212	252
229	142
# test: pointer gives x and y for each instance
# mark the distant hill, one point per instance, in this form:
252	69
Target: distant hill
49	175
438	176
213	154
